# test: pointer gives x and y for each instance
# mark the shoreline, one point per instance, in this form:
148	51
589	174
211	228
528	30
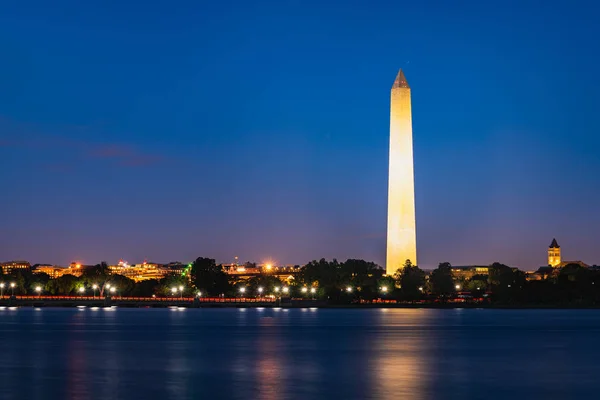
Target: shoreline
296	305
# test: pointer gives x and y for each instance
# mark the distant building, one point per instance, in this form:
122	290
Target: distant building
149	270
555	263
138	272
178	268
576	262
554	254
541	274
249	270
10	266
53	271
56	271
555	258
469	271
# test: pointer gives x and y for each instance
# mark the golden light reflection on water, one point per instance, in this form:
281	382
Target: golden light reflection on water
400	365
77	379
269	366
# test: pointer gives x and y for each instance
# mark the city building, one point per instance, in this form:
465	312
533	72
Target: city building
469	271
177	268
148	270
541	274
137	272
554	254
11	266
401	222
555	263
555	258
249	270
53	271
56	271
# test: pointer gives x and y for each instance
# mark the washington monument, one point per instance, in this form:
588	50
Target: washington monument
401	232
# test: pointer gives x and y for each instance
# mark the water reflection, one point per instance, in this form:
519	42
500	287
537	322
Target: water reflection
271	360
293	354
178	356
76	376
108	357
400	367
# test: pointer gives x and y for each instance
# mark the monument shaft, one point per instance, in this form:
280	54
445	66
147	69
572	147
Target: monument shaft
401	224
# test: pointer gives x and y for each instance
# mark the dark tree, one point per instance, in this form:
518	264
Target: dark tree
268	283
441	282
122	284
322	273
145	288
209	278
574	284
477	287
64	285
363	276
39	280
96	275
170	282
387	287
507	283
412	281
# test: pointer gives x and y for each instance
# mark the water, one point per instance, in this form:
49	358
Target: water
303	354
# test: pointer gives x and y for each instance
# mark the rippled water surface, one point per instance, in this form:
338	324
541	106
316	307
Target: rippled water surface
304	354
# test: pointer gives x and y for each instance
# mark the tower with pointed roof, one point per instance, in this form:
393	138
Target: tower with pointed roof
554	259
401	222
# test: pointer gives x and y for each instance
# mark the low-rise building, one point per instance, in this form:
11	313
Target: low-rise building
56	271
148	270
53	271
249	270
9	267
177	268
541	273
466	272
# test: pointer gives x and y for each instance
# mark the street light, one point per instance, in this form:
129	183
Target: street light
277	289
38	289
457	287
181	291
260	290
349	289
81	290
286	289
304	289
113	289
174	291
199	294
384	289
94	287
242	290
1	289
313	290
420	288
12	288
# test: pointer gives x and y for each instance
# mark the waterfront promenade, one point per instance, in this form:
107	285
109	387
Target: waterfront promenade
200	302
128	301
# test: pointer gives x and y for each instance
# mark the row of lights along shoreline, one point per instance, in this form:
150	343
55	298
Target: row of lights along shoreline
38	289
12	288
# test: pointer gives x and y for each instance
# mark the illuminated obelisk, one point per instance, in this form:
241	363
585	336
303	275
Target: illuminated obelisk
401	231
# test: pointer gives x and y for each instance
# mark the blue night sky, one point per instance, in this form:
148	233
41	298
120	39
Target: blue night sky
259	129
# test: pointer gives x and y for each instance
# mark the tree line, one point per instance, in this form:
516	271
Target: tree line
335	282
